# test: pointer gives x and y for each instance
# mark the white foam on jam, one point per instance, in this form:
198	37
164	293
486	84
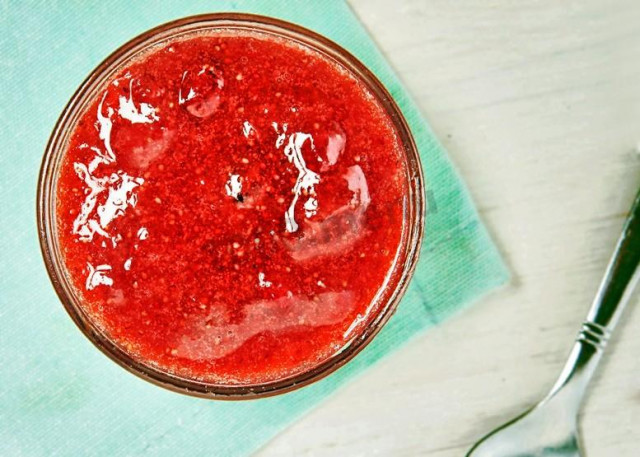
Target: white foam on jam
282	135
97	160
233	187
143	233
120	197
119	187
307	179
310	207
191	93
100	157
97	276
247	128
262	282
116	239
146	114
104	129
82	225
127	264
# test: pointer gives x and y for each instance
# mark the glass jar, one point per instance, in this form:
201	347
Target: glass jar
390	292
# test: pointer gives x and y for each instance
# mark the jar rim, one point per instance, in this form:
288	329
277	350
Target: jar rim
55	150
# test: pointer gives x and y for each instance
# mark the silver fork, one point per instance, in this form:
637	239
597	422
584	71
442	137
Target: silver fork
549	429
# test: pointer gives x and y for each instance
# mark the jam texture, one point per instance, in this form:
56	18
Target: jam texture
229	206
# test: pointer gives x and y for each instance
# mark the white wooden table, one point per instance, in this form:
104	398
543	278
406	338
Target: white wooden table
538	103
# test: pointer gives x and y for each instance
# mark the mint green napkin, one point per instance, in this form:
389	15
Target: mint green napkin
60	396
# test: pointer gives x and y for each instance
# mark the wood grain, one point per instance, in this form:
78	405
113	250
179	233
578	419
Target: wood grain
538	103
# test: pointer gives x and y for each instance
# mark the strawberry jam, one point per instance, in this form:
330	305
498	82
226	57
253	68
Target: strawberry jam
229	205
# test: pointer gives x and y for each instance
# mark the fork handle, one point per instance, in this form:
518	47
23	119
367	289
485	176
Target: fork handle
614	293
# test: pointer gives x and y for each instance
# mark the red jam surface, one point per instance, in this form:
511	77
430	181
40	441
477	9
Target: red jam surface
229	206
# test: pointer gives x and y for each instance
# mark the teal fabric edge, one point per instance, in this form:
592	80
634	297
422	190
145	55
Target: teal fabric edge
58	395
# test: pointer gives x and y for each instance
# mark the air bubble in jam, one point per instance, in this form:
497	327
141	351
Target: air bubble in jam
238	230
201	90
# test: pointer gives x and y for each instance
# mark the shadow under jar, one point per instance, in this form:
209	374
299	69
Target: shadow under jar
230	206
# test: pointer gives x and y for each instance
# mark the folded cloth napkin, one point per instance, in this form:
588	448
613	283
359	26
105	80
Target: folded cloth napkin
58	394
